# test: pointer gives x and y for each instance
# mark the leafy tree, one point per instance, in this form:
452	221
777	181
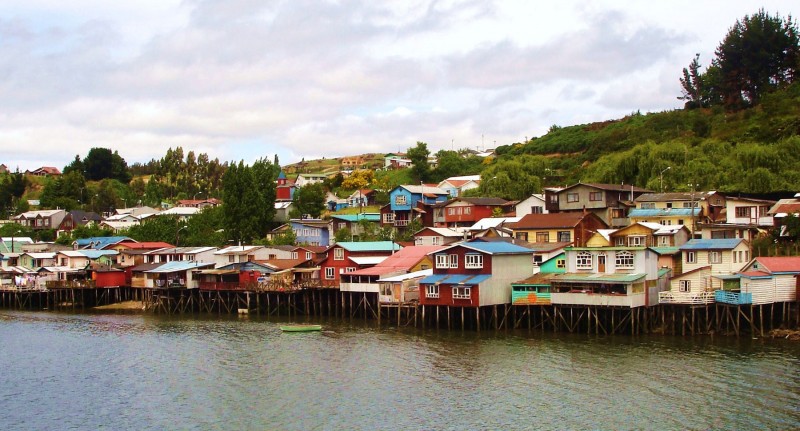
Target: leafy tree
359	179
101	163
16	229
90	230
759	54
343	234
692	83
157	228
309	199
288	237
413	227
242	204
420	170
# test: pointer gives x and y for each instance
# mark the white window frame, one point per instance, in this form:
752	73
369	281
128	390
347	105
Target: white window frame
584	260
691	257
330	273
636	240
462	292
573	197
432	291
338	253
418	240
400	200
388	218
684	285
442	261
473	261
436	240
624	260
714	257
453	260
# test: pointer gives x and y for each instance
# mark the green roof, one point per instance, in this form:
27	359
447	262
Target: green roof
376	217
599	278
368	246
665	250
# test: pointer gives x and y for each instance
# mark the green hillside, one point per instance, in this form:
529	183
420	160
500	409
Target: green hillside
751	150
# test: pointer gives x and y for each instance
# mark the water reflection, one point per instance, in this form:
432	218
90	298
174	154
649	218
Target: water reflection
153	372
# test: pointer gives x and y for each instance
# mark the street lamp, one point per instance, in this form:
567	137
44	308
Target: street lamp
177	236
661	177
194	198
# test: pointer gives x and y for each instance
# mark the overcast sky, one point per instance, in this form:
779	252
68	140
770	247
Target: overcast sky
242	79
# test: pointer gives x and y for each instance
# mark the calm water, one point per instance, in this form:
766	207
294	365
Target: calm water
107	371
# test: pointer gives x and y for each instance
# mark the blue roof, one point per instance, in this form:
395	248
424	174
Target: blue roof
99	242
455	279
369	246
663	212
358	217
96	254
179	265
712	244
496	247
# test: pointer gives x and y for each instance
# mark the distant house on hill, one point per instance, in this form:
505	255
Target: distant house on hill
44	171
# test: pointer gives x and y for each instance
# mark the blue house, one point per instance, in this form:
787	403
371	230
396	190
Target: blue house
312	231
404	203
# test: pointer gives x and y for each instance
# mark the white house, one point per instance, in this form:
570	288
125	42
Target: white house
534	204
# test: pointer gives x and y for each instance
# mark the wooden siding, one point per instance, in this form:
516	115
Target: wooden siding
531	297
778	288
726	266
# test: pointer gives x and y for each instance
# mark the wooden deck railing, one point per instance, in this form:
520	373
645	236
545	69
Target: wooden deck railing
70	284
691	298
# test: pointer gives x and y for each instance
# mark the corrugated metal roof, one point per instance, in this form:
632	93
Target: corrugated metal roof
664	212
373	217
408	276
712	244
455	279
547	221
599	278
790	264
369	246
497	247
179	265
368	260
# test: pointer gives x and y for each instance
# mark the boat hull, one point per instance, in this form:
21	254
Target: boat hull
300	328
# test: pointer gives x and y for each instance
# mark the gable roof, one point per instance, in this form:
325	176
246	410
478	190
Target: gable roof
372	217
491	247
712	244
427	189
552	220
608	187
368	246
442	231
101	242
779	263
402	260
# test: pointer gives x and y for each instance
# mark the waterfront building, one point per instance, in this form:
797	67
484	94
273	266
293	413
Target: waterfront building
764	280
404	261
609	202
573	227
347	257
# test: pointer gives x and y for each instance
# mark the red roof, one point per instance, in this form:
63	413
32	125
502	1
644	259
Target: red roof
402	260
780	264
547	221
788	208
155	245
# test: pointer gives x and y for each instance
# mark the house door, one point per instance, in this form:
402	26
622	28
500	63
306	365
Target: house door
601	263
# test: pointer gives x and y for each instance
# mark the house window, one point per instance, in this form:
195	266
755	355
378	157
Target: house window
294	255
714	257
663	241
619	241
648	205
329	273
432	291
669	205
436	240
461	292
473	261
444	260
467	210
231	258
685	286
636	241
386	289
400	200
742	212
308	255
561	263
388	218
542	236
691	257
572	197
624	260
350	269
564	236
418	240
583	260
338	254
595	196
453	260
342	225
680	222
537	210
521	236
451	211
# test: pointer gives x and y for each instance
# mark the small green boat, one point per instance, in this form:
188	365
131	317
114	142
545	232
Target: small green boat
300	328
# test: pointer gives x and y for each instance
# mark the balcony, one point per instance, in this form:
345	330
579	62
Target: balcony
401	223
598	299
690	298
735	298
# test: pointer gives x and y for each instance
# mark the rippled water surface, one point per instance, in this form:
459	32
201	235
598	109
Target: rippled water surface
107	371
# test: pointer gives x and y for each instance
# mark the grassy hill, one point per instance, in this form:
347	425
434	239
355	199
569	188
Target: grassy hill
754	150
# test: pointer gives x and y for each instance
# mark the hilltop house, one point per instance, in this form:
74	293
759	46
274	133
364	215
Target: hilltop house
456	186
40	220
688	209
610	202
534	204
574	227
405	203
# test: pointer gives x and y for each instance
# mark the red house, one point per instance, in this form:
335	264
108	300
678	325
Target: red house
350	256
475	274
465	212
